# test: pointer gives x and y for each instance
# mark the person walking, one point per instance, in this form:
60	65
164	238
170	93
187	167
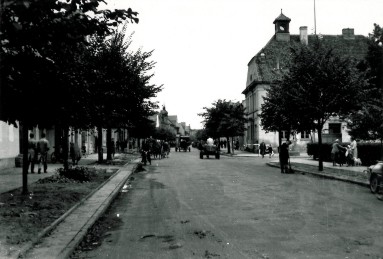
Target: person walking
270	150
336	149
354	148
42	150
284	157
32	154
262	149
74	152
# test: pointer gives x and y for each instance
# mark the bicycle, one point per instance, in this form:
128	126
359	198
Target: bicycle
57	156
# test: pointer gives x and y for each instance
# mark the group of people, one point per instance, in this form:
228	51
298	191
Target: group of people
263	149
341	155
158	148
38	153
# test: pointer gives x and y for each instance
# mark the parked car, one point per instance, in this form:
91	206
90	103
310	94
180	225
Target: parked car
375	176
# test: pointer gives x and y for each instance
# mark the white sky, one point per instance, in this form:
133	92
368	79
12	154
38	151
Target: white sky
202	47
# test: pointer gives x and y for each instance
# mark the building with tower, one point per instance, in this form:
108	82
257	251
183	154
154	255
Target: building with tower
271	63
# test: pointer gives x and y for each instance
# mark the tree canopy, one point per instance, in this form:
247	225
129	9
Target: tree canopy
41	61
224	119
366	122
319	85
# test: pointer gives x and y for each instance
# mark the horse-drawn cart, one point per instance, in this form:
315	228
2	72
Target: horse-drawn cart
183	143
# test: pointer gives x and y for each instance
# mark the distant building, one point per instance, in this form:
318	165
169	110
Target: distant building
271	63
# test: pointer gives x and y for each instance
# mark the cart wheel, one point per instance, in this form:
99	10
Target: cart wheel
374	184
189	149
176	149
217	156
200	155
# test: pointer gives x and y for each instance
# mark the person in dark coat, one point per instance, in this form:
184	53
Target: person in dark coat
262	149
284	157
337	152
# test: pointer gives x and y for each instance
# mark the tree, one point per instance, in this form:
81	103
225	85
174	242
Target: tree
319	85
277	114
367	121
39	57
225	118
201	134
164	134
121	90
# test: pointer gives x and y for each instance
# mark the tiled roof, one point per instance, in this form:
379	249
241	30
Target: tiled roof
263	67
282	17
173	118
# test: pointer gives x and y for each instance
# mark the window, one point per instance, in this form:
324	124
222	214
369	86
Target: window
334	128
305	134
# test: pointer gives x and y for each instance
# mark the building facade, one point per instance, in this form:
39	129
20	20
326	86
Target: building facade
272	62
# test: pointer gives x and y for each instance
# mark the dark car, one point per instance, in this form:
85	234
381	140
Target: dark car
209	150
375	176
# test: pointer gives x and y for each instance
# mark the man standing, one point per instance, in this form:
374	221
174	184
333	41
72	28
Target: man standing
284	157
262	149
335	153
42	148
32	145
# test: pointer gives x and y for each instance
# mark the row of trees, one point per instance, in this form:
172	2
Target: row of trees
321	84
64	63
224	119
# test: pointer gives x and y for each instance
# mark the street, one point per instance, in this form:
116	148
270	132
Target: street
185	207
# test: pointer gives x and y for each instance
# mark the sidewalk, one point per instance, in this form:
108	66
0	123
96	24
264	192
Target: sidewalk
306	165
12	178
67	231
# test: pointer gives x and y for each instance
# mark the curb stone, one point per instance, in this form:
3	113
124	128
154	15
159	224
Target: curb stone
365	184
26	248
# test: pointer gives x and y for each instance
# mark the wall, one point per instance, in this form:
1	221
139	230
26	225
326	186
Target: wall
9	145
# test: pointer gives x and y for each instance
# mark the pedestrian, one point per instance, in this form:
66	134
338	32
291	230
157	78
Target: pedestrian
284	157
354	148
146	152
112	148
335	153
118	146
32	154
262	149
42	150
74	153
270	150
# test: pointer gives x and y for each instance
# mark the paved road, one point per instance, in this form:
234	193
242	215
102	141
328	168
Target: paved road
184	207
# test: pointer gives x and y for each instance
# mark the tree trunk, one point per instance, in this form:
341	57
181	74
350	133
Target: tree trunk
109	143
381	150
24	132
280	144
320	168
228	145
232	144
99	145
65	147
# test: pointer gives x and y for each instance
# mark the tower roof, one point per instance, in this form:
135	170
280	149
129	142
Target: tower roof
282	17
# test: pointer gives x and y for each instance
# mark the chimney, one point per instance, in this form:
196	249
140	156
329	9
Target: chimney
303	35
348	34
